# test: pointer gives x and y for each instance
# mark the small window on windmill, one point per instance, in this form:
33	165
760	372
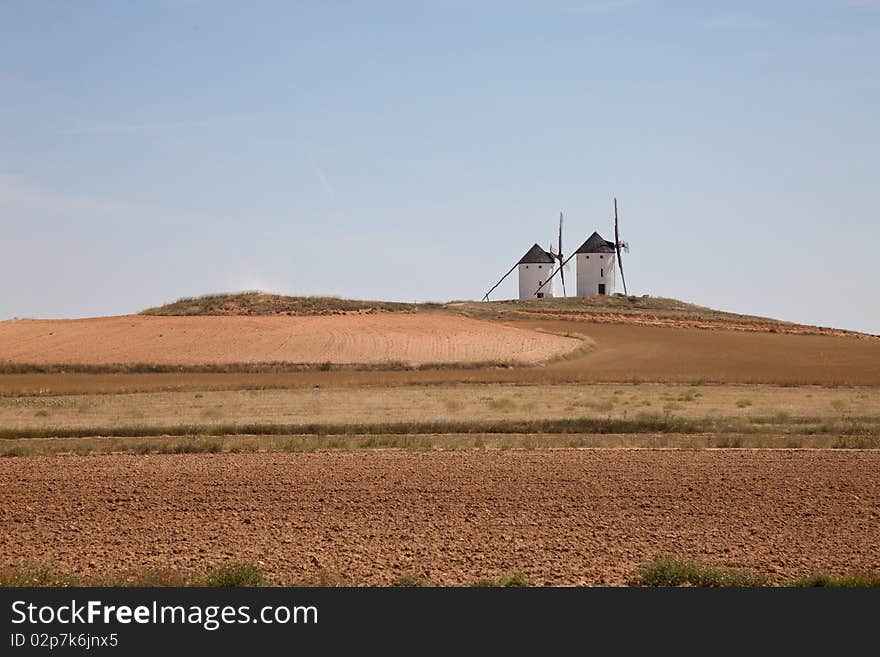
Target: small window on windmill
586	257
601	256
539	266
601	272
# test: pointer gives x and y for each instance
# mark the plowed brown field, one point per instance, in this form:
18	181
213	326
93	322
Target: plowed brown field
376	338
561	516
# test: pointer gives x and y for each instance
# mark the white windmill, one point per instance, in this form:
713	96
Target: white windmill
536	271
595	271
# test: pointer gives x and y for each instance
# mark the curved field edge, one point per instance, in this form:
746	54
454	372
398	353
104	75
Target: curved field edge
236	344
269	367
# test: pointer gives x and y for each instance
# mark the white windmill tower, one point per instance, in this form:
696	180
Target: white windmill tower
535	268
536	271
596	263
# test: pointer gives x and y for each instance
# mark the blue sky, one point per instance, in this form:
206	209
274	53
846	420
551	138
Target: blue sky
414	151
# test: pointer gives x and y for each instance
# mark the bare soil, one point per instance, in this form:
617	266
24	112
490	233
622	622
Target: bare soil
567	517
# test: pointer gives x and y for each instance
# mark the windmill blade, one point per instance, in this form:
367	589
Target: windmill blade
486	296
622	277
550	278
616	231
560	234
561	267
617	247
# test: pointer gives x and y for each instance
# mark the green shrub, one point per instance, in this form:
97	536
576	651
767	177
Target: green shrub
821	580
514	579
667	571
34	573
413	580
239	573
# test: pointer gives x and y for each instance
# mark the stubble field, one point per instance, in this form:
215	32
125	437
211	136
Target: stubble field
408	338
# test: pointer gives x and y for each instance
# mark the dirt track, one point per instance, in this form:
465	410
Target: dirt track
378	338
563	517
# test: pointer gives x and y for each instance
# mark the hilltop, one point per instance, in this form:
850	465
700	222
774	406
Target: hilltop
644	310
628	306
569	339
263	303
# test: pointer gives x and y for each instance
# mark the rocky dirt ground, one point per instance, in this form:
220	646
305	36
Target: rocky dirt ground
564	517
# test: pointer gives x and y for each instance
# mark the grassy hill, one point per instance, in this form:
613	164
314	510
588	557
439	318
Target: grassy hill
261	303
602	305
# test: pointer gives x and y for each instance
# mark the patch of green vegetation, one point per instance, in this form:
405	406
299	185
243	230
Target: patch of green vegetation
263	303
644	422
689	396
35	573
192	446
856	580
513	579
413	581
236	574
327	578
667	571
50	574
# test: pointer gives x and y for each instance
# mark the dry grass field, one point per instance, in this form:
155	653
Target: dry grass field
440	403
572	468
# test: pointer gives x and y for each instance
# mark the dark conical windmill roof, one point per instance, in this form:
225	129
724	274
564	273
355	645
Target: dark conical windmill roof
596	244
536	255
